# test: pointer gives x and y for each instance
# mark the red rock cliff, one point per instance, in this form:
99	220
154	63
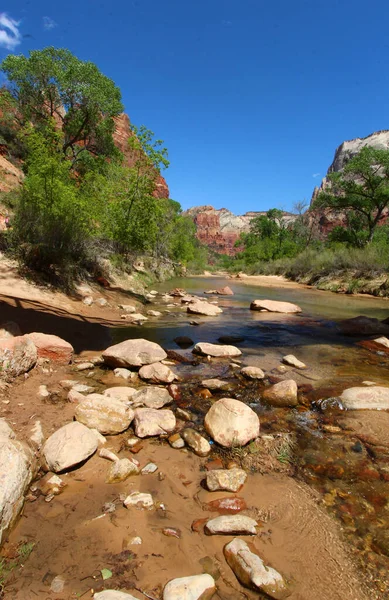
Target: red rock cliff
121	135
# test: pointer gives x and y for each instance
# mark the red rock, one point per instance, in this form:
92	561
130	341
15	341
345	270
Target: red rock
198	524
52	347
227	506
174	391
213	464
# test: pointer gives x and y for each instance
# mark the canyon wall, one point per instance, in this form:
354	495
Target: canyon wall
219	229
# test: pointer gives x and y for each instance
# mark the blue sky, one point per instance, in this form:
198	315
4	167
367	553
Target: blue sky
251	97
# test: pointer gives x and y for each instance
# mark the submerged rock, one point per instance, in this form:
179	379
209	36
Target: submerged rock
133	353
275	306
251	571
215	350
362	325
366	398
196	587
283	393
231	423
228	480
68	446
231	525
216	384
139	500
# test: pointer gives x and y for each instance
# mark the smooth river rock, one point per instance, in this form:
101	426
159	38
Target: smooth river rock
196	442
216	384
157	373
150	422
275	306
251	571
133	353
108	415
68	446
216	350
228	480
252	373
123	393
231	525
231	423
16	472
283	393
203	308
196	587
366	398
152	397
292	361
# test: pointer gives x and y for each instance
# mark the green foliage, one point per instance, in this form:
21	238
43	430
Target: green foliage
54	84
362	191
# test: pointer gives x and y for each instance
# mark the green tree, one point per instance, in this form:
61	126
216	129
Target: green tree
54	84
361	190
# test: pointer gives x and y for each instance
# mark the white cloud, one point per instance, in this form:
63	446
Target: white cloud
315	174
10	36
49	23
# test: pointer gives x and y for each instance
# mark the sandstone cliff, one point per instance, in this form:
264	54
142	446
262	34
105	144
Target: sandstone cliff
219	229
325	220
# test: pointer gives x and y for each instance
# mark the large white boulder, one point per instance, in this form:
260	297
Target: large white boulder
197	587
203	308
68	446
251	571
134	353
108	415
231	423
216	350
275	306
362	398
16	471
149	422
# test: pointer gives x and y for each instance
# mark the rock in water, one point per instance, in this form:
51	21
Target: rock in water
108	415
113	595
231	525
366	398
203	308
228	480
16	472
133	353
139	500
152	397
216	350
196	442
52	347
149	422
283	393
157	372
225	291
251	571
252	373
68	446
275	306
292	361
18	355
197	587
231	423
216	384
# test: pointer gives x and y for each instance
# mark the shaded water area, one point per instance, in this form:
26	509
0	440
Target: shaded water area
343	455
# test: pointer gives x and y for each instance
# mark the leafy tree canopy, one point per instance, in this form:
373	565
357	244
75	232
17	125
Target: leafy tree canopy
362	188
53	83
